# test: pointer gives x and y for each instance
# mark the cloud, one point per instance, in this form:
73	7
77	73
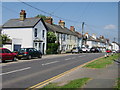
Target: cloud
110	26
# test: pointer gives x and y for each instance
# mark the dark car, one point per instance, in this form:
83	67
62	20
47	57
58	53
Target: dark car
76	50
6	55
94	50
28	53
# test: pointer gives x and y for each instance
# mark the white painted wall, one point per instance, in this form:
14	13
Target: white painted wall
115	46
24	34
90	44
8	46
40	27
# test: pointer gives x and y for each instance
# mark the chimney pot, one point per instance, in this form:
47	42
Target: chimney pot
62	23
49	20
22	15
72	28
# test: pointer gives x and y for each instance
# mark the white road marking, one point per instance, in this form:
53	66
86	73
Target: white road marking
81	56
67	59
15	71
50	63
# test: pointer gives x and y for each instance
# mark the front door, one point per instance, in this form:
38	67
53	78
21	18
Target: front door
16	47
43	48
35	45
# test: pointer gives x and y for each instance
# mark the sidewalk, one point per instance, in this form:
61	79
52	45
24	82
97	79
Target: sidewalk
100	78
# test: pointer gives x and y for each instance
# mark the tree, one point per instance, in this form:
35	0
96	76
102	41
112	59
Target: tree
52	46
42	16
5	38
51	37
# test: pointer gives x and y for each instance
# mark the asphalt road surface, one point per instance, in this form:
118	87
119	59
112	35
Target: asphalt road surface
26	74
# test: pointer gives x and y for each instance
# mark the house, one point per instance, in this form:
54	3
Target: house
99	42
67	38
116	46
26	32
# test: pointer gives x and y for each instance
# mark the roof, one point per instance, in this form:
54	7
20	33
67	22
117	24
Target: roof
116	43
16	23
59	29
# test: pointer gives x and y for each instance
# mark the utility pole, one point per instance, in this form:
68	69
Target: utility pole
114	43
82	33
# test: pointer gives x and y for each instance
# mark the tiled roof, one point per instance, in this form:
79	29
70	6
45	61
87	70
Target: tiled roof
59	29
16	23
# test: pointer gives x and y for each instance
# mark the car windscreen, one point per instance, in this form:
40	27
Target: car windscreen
22	50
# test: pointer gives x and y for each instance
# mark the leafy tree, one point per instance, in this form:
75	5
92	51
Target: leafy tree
52	46
42	16
51	37
5	38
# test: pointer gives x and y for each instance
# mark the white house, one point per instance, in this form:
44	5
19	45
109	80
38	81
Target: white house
115	46
26	32
67	38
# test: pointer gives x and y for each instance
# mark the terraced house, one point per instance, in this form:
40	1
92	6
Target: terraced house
32	32
67	38
99	42
26	33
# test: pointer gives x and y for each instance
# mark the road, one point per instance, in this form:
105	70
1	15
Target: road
26	74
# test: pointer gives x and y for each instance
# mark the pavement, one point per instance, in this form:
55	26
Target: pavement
100	78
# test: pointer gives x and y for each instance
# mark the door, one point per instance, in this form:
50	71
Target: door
43	48
35	45
16	47
8	54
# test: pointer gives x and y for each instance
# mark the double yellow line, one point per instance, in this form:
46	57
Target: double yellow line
41	84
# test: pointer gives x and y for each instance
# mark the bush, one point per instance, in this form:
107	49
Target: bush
52	48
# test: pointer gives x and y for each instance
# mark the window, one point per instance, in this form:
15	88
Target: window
7	51
30	49
43	33
35	33
63	37
70	37
67	36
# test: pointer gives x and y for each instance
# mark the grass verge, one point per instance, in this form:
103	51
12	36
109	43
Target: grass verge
102	62
77	83
117	86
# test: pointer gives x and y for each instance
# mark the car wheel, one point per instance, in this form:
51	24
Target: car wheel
19	58
3	61
40	56
29	57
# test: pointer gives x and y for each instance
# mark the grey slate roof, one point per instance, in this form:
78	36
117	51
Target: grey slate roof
16	23
59	29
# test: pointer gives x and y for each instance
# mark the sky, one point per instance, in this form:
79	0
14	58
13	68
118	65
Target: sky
100	18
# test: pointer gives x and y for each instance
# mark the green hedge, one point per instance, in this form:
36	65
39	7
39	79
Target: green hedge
52	48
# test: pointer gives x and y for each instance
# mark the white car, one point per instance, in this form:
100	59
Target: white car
84	49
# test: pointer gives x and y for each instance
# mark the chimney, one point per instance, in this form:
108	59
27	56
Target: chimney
49	20
72	28
94	36
22	15
62	23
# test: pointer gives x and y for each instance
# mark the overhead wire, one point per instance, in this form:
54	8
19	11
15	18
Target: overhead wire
48	12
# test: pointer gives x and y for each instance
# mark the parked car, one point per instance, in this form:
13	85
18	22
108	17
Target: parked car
84	49
94	49
114	51
76	50
108	51
28	53
6	54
